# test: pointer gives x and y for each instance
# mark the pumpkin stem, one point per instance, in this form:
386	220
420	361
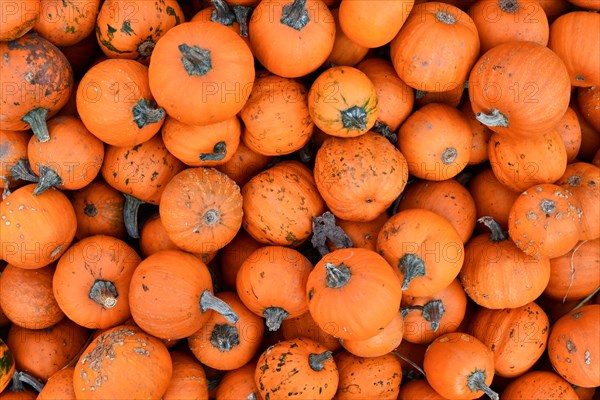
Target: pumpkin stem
146	113
36	119
574	181
412	266
409	361
251	396
588	298
130	215
324	228
498	234
432	311
241	16
317	361
445	17
6	192
337	276
548	207
222	13
274	317
209	302
295	15
476	382
224	337
104	293
146	48
48	179
19	378
385	131
219	153
354	118
90	210
196	61
509	6
449	155
494	118
22	170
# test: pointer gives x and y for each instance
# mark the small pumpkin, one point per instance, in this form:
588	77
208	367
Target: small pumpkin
588	100
345	51
188	379
481	136
17	22
381	344
305	326
545	385
569	130
244	164
59	386
67	23
238	383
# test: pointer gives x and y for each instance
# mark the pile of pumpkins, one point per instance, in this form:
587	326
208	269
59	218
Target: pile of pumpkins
311	199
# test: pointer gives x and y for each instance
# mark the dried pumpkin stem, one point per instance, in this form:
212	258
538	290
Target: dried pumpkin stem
224	337
104	293
547	206
242	13
22	170
209	302
476	382
146	48
412	266
36	119
385	131
251	396
130	215
337	276
449	155
317	361
445	17
218	154
222	13
432	312
48	178
196	61
509	6
146	113
494	118
274	316
498	235
6	192
587	298
295	15
90	210
409	361
19	378
324	228
354	118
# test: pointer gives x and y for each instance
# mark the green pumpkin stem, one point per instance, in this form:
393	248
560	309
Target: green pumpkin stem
498	235
224	337
494	119
22	170
36	119
104	293
242	13
130	215
476	382
432	312
337	275
274	316
317	361
19	378
48	178
209	302
196	61
222	13
295	15
412	266
218	154
354	118
385	131
324	228
146	113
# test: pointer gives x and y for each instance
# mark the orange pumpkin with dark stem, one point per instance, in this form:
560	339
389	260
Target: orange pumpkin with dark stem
388	338
353	293
588	100
225	13
305	326
115	103
244	164
130	30
282	193
345	51
202	146
424	250
356	182
481	136
368	378
201	66
37	80
545	385
418	389
20	21
91	282
271	282
225	346
447	198
569	130
114	352
435	35
519	87
300	366
516	336
458	365
343	102
26	297
545	221
201	209
26	244
188	380
449	138
574	346
291	38
171	293
59	386
238	383
14	149
154	238
67	23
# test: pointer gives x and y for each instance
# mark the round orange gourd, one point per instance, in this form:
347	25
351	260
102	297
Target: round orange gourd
569	130
388	338
188	379
154	238
18	18
67	23
345	51
481	136
491	197
305	326
545	385
59	386
238	383
244	164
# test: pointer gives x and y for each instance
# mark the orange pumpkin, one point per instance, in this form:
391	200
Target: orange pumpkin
363	234
59	386
188	379
569	130
418	389
345	51
18	18
244	164
588	100
388	338
554	8
67	23
481	136
233	255
545	385
154	238
14	149
451	95
238	383
232	16
305	326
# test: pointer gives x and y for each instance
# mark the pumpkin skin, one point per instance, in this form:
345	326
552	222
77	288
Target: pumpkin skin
448	135
357	183
451	95
184	80
244	164
381	344
7	365
454	362
20	216
65	24
554	8
14	148
583	181
233	255
131	30
271	282
538	385
435	35
201	209
368	378
287	44
574	346
418	389
266	211
424	250
149	379
502	21
345	51
362	234
353	293
590	139
17	23
519	87
188	380
202	146
582	61
154	238
588	100
545	221
516	336
91	282
27	299
305	326
34	66
225	346
59	386
317	376
238	383
115	103
569	130
574	276
481	136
